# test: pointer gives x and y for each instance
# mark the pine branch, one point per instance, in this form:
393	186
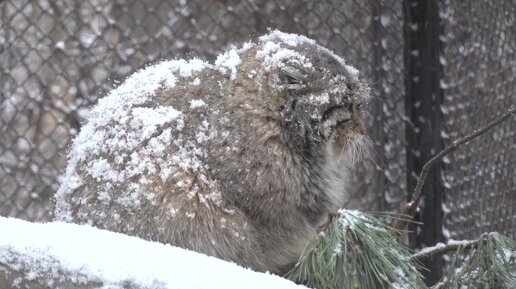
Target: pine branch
412	207
488	263
356	250
441	249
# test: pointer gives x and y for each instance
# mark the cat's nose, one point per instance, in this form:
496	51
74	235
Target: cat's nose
360	126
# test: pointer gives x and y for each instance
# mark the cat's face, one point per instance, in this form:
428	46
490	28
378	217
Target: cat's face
324	99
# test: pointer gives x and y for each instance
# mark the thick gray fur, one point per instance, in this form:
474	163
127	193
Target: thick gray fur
280	161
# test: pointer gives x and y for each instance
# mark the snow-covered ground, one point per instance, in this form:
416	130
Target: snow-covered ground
59	255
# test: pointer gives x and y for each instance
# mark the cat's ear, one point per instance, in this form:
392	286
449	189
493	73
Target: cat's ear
292	78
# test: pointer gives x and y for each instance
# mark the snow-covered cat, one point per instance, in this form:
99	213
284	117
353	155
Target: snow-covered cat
241	159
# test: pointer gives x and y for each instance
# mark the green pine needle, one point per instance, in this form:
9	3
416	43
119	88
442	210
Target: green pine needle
357	251
490	265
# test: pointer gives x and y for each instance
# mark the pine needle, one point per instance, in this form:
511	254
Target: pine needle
355	250
490	265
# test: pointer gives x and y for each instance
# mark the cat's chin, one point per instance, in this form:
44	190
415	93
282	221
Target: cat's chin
344	141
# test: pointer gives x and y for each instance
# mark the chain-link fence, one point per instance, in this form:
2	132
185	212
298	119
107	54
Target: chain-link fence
479	82
57	57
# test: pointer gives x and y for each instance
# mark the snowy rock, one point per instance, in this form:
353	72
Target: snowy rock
61	255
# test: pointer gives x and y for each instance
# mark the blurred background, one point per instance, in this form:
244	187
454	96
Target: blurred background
437	69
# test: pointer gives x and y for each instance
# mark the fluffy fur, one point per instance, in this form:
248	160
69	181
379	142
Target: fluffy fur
273	134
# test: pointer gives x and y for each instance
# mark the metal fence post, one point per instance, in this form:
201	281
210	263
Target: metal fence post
423	101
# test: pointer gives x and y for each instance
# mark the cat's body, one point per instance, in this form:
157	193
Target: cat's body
241	160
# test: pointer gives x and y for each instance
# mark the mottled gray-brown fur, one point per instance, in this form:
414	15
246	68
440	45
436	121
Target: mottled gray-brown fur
280	159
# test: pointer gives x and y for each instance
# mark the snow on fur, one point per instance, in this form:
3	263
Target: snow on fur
120	142
127	118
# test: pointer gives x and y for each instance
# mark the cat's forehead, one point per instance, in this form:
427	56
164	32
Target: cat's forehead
328	62
302	55
307	49
287	38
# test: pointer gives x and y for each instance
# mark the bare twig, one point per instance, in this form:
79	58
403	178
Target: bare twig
411	207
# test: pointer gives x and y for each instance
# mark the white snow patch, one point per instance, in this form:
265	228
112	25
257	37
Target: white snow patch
273	55
60	45
430	249
351	69
295	40
196	103
140	86
441	245
149	119
228	62
349	218
288	38
460	242
87	254
196	81
320	99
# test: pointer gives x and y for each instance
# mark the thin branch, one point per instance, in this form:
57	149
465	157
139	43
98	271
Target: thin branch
441	249
411	207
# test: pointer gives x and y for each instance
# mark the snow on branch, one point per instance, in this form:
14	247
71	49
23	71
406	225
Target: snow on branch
441	248
62	255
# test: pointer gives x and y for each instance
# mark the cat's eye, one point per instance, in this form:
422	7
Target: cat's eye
292	78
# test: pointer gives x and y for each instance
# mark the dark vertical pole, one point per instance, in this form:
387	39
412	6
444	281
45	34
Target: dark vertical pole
378	73
423	99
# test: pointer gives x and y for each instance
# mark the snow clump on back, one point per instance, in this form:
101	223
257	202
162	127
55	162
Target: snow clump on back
125	137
